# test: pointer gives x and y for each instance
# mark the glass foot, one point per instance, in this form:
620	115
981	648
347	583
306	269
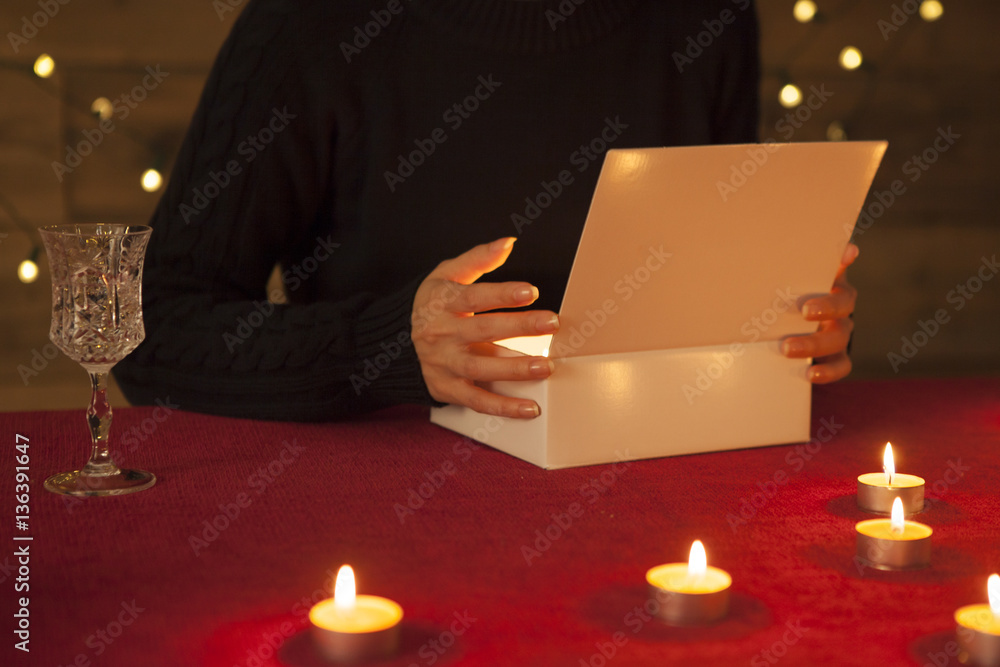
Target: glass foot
76	484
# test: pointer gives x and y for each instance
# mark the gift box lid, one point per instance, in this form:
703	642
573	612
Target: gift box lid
707	245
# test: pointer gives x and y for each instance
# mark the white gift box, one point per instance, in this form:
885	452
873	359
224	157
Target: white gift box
690	272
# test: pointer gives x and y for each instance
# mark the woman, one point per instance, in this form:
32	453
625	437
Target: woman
359	146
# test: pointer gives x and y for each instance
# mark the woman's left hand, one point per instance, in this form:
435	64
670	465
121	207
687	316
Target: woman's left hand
828	346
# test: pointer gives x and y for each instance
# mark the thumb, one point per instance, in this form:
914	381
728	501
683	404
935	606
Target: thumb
470	266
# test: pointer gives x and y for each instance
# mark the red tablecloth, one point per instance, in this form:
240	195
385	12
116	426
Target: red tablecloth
175	576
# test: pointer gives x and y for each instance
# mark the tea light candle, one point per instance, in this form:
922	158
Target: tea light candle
979	628
690	593
877	490
353	628
894	544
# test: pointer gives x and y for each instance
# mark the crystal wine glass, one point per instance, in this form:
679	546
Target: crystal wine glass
96	321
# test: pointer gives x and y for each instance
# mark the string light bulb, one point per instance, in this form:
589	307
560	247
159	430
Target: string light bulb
44	66
151	180
836	131
27	271
790	96
804	11
931	10
102	108
850	58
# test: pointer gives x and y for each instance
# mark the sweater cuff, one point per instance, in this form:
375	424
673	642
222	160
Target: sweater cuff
388	369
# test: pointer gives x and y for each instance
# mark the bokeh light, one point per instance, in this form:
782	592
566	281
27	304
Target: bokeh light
790	96
804	11
44	66
151	180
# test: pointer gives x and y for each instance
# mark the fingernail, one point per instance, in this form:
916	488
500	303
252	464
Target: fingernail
529	411
502	244
526	293
850	254
790	347
542	367
813	374
550	325
812	311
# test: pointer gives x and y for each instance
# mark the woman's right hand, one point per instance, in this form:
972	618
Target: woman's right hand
453	332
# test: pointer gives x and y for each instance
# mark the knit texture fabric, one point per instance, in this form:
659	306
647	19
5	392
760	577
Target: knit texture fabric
358	146
249	520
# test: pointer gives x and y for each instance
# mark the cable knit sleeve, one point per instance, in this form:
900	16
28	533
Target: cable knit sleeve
252	180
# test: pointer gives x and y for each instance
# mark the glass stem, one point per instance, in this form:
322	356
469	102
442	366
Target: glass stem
99	420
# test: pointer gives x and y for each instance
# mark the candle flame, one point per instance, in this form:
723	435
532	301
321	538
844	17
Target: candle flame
343	590
993	588
897	520
697	561
888	465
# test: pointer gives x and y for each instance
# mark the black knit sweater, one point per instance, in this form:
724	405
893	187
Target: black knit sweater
358	144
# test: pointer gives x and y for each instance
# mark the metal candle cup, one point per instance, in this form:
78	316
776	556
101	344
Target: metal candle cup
685	600
875	496
978	631
354	628
879	547
368	631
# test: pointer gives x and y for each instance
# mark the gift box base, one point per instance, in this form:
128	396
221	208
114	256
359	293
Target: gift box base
636	405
